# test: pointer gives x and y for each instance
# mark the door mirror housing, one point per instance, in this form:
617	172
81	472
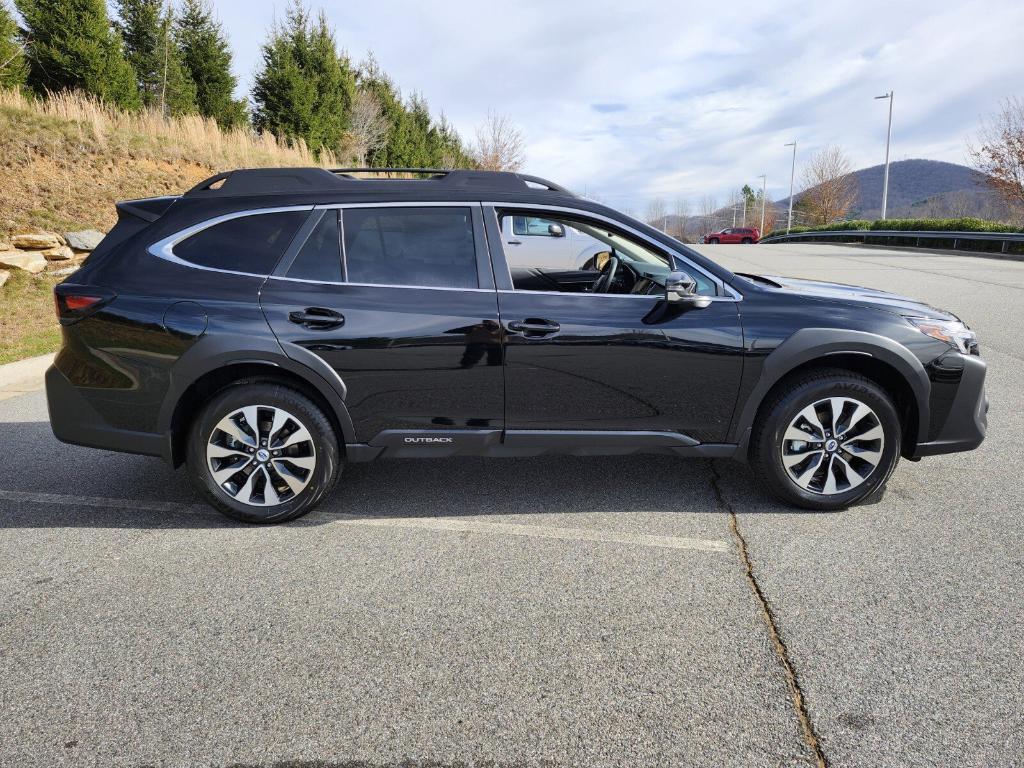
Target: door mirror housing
680	288
556	230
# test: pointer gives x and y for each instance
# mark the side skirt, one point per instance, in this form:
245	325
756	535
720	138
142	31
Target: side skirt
441	443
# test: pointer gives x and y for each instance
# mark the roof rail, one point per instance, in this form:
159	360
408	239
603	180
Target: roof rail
431	171
270	181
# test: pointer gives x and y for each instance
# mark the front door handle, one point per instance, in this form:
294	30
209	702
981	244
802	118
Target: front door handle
317	318
534	328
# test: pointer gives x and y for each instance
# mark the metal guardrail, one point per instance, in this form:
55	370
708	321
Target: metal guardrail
917	236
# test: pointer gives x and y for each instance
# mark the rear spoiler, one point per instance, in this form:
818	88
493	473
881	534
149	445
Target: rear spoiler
133	216
147	208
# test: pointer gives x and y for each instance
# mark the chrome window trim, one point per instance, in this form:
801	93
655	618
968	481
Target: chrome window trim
729	293
404	204
164	249
380	285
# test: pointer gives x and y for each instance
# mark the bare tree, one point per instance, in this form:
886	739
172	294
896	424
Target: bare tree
656	213
708	211
499	144
682	214
1000	153
829	187
368	127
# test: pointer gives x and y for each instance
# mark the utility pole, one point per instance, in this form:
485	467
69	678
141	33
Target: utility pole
764	185
792	175
888	139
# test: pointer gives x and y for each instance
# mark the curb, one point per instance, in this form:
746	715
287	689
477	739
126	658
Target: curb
23	375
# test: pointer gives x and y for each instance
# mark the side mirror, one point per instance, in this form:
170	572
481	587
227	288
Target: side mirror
680	288
556	230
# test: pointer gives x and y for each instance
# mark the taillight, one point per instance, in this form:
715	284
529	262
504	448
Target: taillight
73	302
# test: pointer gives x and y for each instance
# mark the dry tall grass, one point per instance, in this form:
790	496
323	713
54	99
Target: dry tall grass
66	158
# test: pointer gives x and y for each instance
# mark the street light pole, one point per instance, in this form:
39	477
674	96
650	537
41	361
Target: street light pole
888	139
792	175
764	184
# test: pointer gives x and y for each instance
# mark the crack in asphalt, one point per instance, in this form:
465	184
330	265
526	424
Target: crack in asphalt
782	653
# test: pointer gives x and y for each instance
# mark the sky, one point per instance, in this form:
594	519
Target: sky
628	101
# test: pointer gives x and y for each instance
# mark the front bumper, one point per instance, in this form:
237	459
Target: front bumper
965	427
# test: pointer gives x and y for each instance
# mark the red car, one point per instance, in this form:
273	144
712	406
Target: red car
734	235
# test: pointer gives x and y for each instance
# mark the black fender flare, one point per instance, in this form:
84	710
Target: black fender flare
809	344
212	352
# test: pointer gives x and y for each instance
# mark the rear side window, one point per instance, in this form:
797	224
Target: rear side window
250	244
320	256
430	247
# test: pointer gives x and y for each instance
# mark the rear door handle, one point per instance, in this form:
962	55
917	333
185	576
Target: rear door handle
317	318
532	327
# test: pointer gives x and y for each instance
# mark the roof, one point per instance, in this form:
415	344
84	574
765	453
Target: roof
247	182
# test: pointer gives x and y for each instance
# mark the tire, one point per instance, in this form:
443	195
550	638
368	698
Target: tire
713	241
851	468
299	472
746	241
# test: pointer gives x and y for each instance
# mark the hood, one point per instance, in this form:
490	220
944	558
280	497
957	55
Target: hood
854	294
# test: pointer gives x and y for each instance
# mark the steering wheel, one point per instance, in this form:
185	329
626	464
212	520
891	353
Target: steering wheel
604	282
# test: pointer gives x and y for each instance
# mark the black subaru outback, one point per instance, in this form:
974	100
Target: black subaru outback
268	326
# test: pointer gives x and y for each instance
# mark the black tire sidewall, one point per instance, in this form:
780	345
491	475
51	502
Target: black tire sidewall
228	400
768	456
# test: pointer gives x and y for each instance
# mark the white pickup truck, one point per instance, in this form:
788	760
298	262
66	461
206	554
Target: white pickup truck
534	242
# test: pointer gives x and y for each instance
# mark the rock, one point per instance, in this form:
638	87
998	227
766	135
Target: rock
60	253
4	274
37	241
63	271
86	240
30	261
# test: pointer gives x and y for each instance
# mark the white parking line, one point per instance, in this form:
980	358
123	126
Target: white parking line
447	525
541	532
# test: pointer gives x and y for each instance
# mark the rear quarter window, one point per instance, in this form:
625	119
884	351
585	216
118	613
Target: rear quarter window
253	243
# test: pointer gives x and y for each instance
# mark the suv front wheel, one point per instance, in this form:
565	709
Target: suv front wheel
262	453
826	440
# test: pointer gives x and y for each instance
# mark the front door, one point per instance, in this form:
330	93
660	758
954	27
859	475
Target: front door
616	357
399	301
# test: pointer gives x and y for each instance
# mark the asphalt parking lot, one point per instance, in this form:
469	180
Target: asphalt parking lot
529	612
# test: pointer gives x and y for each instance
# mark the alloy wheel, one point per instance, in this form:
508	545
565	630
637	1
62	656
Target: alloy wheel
261	455
833	445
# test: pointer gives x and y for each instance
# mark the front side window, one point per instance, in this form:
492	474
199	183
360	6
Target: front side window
252	243
604	260
429	247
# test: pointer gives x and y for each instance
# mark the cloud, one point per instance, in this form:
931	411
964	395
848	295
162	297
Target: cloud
661	98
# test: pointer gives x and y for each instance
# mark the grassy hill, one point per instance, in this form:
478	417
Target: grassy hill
66	159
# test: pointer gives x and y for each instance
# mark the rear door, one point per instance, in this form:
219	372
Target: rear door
399	300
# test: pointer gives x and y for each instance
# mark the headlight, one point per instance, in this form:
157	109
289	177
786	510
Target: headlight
953	332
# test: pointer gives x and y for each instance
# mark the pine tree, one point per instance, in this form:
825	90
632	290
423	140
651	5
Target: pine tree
71	44
13	68
207	59
304	88
163	81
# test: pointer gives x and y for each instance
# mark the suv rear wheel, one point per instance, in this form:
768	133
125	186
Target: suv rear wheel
262	453
827	440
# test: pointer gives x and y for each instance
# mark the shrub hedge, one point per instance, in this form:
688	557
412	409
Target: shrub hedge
967	224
